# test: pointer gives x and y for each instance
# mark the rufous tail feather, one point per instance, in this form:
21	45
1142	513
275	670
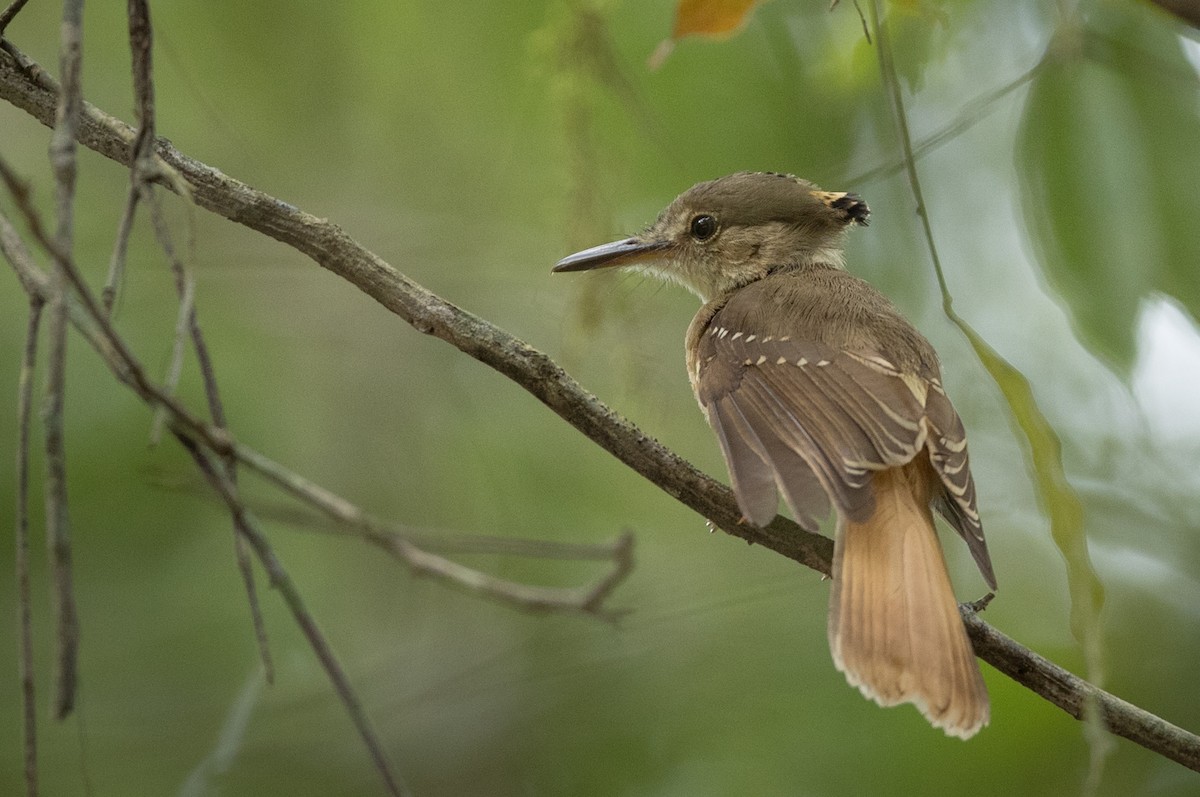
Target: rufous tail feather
894	626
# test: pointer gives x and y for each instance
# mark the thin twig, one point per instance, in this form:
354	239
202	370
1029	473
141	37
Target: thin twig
143	170
1045	450
623	552
281	581
333	249
10	12
116	263
58	523
100	335
459	543
968	116
431	539
143	91
65	271
261	640
58	530
175	369
350	518
862	18
188	324
189	327
24	599
105	338
588	600
591	600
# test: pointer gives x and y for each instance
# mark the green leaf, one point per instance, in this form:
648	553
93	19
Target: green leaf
1107	160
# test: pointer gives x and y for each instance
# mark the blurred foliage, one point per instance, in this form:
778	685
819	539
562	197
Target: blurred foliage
1107	164
472	148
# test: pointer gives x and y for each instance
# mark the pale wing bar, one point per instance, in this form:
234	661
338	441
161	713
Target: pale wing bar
948	452
806	411
806	416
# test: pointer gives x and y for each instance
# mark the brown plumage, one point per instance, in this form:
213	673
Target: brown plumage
817	388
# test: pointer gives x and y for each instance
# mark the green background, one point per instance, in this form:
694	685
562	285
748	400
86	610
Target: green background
472	145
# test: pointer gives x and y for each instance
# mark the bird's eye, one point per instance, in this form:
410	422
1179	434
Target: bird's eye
703	227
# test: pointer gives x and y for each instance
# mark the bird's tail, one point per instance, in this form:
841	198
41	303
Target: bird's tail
894	626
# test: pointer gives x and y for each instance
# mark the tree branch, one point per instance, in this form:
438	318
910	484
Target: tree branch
96	329
63	146
24	594
336	251
247	529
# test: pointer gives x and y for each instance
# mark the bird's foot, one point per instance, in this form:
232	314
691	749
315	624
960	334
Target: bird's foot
981	604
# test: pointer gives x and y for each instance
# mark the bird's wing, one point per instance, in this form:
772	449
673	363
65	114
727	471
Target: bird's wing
816	421
947	444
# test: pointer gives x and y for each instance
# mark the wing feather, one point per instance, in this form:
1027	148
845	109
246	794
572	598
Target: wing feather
801	479
814	421
948	455
816	417
753	478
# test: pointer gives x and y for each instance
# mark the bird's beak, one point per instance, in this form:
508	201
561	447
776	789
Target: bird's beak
628	252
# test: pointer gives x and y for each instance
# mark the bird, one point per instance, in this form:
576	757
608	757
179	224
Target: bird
819	390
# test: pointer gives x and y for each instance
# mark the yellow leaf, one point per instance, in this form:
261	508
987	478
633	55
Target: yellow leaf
715	18
710	17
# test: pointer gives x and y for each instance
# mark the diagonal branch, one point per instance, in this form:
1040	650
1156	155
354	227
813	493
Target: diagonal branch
9	13
351	519
26	86
94	324
97	330
247	529
333	249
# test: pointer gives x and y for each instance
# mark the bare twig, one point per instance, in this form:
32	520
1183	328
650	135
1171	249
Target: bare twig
189	327
143	170
58	524
261	641
24	599
116	264
352	519
58	531
143	91
459	543
100	335
862	18
420	561
333	249
589	600
175	369
281	581
94	322
279	577
10	12
431	539
604	587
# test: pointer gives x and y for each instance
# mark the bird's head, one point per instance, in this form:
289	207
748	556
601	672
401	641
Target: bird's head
723	234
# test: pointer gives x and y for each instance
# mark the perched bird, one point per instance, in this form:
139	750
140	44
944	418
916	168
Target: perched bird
817	388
